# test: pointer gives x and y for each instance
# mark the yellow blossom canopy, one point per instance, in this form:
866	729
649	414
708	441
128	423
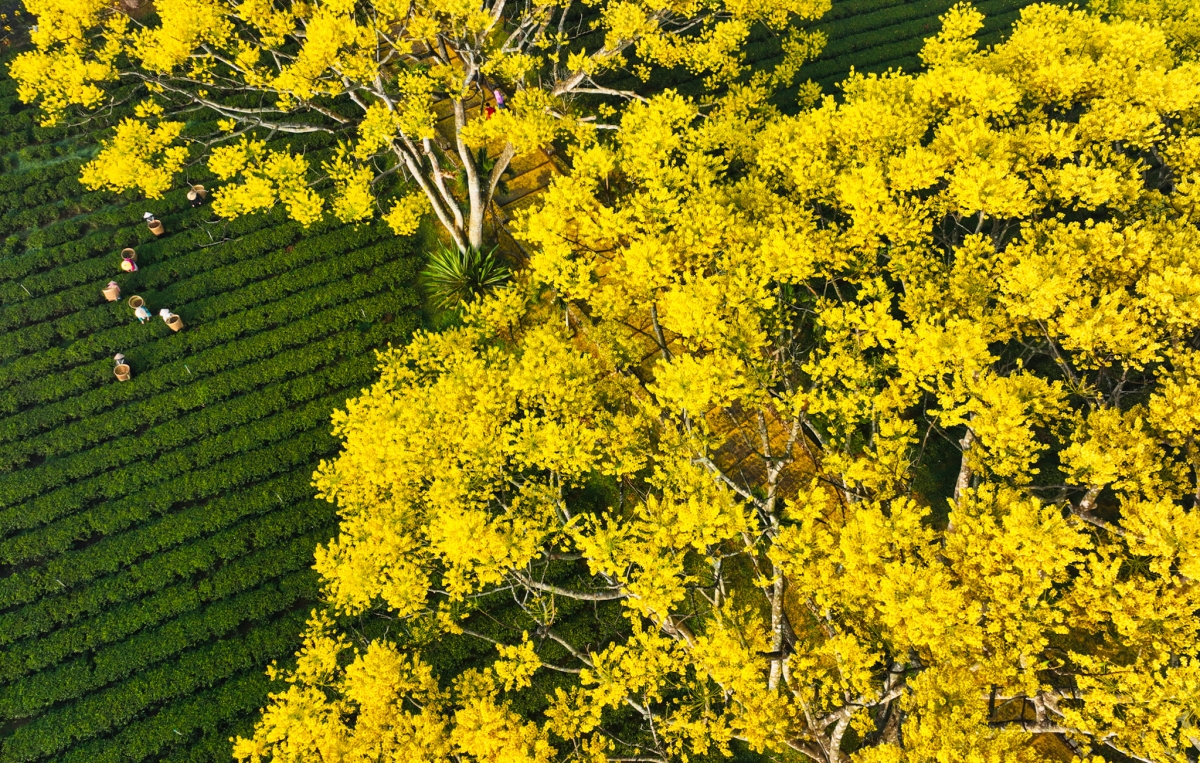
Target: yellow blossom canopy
378	77
865	434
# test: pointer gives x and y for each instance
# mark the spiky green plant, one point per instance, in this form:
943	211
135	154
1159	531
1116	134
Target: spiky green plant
452	277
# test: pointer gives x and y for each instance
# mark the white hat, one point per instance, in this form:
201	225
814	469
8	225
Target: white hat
165	313
148	216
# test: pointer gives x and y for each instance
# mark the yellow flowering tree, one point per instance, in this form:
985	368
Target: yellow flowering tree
867	434
1178	19
398	82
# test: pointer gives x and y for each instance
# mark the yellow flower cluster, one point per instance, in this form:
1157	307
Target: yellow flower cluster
406	213
185	25
267	177
61	71
353	200
138	156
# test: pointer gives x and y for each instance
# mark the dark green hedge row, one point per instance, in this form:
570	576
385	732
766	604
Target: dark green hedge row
893	16
913	22
107	514
62	503
110	324
222	290
878	51
867	35
63	215
143	477
887	37
106	239
15	183
121	621
74	498
175	425
64	230
95	271
162	415
207	335
227	435
162	264
117	662
158	375
213	746
110	554
52	184
226	562
190	231
197	724
342	295
206	377
97	713
850	9
63	175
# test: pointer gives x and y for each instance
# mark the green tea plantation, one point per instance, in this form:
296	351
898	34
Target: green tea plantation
156	534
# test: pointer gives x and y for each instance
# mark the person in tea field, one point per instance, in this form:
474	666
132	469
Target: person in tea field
141	313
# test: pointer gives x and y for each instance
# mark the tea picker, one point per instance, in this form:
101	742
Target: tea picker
128	260
112	292
155	226
139	308
196	195
171	319
121	370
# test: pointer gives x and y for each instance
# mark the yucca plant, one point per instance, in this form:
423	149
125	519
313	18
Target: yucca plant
452	277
